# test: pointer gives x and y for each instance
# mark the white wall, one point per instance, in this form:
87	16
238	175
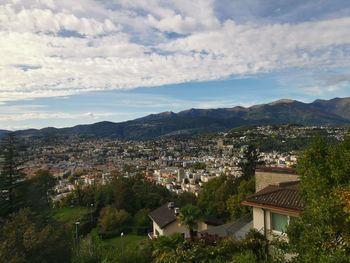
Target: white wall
258	222
258	219
176	227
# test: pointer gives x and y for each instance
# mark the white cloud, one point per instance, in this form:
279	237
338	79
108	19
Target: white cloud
322	89
20	115
53	48
45	21
189	17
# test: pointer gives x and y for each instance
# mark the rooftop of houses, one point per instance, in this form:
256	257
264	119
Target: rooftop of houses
282	196
238	228
167	213
164	215
285	170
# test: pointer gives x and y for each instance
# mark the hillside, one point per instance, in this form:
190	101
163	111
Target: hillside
3	132
320	112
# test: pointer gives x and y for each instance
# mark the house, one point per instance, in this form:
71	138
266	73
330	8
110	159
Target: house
276	201
166	223
237	229
265	176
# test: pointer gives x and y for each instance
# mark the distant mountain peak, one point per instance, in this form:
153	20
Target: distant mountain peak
285	111
167	113
189	110
282	101
157	116
336	99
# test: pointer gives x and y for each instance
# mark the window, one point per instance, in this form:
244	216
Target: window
279	222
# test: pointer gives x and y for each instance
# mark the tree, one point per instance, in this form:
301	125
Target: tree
199	166
130	194
123	195
213	197
247	257
322	232
112	219
185	198
233	203
189	215
142	221
249	161
165	247
207	196
28	238
39	188
175	249
11	178
92	250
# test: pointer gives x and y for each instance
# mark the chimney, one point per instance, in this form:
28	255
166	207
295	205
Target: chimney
171	205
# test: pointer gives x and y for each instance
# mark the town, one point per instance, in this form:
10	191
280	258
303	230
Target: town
179	164
152	131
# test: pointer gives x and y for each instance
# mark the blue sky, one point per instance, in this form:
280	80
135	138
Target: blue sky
117	60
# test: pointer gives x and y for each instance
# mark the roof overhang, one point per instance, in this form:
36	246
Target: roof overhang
161	226
290	211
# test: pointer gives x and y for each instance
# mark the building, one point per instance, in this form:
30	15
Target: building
276	201
265	176
166	223
237	229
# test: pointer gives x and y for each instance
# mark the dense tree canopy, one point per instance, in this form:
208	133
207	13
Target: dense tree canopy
212	198
189	216
38	190
28	238
129	194
175	249
233	203
11	177
112	219
322	233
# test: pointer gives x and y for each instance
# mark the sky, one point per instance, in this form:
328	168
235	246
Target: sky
63	64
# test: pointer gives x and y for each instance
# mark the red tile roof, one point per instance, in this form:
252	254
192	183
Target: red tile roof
281	170
284	196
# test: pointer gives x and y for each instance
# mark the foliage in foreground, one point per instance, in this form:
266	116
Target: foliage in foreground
175	249
11	178
322	233
189	216
27	237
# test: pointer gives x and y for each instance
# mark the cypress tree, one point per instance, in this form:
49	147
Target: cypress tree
249	161
11	177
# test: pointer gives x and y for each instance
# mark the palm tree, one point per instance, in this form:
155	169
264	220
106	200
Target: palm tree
188	216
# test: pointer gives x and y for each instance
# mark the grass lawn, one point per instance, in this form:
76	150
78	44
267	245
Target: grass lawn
129	241
69	215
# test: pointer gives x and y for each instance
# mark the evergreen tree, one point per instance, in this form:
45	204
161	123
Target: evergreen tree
11	177
249	161
29	238
39	188
322	232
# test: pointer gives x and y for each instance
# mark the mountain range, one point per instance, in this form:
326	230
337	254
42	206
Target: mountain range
320	112
3	132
